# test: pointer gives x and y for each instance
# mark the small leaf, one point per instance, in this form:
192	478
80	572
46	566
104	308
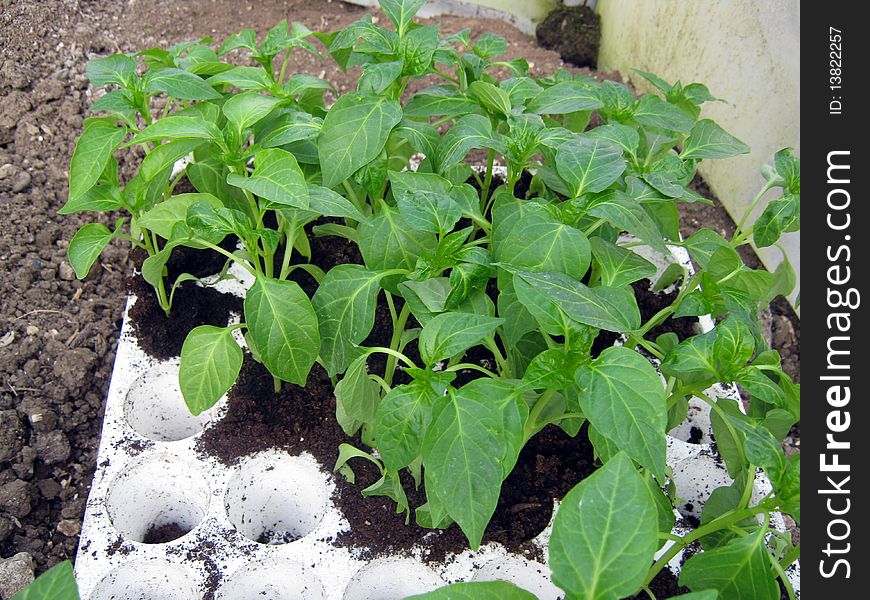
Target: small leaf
403	416
619	266
58	583
179	84
692	361
243	110
469	132
92	153
708	140
86	246
739	570
589	165
284	328
210	362
440	100
163	218
431	212
626	214
388	242
165	155
449	334
563	98
244	78
276	177
292	127
489	45
401	12
596	553
357	397
117	69
624	399
779	216
178	127
494	99
477	590
655	112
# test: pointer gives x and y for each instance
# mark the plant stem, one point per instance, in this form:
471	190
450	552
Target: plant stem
276	384
739	231
290	239
470	367
487	181
398	328
228	254
531	427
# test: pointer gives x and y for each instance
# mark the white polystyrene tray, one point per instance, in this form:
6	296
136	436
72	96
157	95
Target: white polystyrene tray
148	473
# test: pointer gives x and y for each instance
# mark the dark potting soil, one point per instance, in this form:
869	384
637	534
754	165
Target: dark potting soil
663	585
161	336
574	32
161	534
303	419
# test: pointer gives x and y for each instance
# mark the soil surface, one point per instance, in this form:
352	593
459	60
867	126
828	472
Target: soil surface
58	335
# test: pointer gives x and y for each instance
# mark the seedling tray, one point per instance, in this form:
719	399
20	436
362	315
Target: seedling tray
265	528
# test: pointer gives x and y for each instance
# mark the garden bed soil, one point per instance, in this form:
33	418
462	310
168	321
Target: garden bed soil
58	336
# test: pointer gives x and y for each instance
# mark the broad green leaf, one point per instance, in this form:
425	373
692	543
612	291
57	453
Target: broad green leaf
465	278
354	133
539	242
734	346
494	99
477	590
740	570
729	442
210	362
357	396
86	246
118	102
422	137
284	328
440	100
693	360
760	386
469	132
99	198
708	140
449	334
331	204
402	418
489	45
179	84
243	110
551	369
604	534
431	212
244	78
276	177
703	244
178	127
613	309
763	450
779	216
619	266
462	452
92	153
655	112
345	306
623	397
623	136
426	298
624	213
417	49
589	165
388	242
117	69
289	128
563	98
377	77
520	89
165	216
401	12
165	155
58	583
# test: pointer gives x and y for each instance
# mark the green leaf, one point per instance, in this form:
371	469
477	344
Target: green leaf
284	328
401	12
589	165
117	69
92	153
345	305
692	361
469	132
760	386
613	309
163	218
354	133
432	212
462	454
244	78
177	127
655	112
739	570
563	98
788	166
440	100
489	45
243	110
734	346
179	84
58	583
494	99
538	242
99	198
292	127
779	216
623	136
357	397
625	213
604	535
450	333
422	137
477	590
276	177
388	242
210	362
708	140
377	77
551	369
165	155
623	397
619	266
331	204
86	246
401	421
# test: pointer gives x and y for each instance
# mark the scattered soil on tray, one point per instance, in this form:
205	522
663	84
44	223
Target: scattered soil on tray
58	335
161	336
161	534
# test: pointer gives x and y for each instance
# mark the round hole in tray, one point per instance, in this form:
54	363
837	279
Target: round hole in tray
272	579
276	498
529	576
157	499
145	580
155	408
391	578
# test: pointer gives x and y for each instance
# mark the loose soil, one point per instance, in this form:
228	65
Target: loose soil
58	336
